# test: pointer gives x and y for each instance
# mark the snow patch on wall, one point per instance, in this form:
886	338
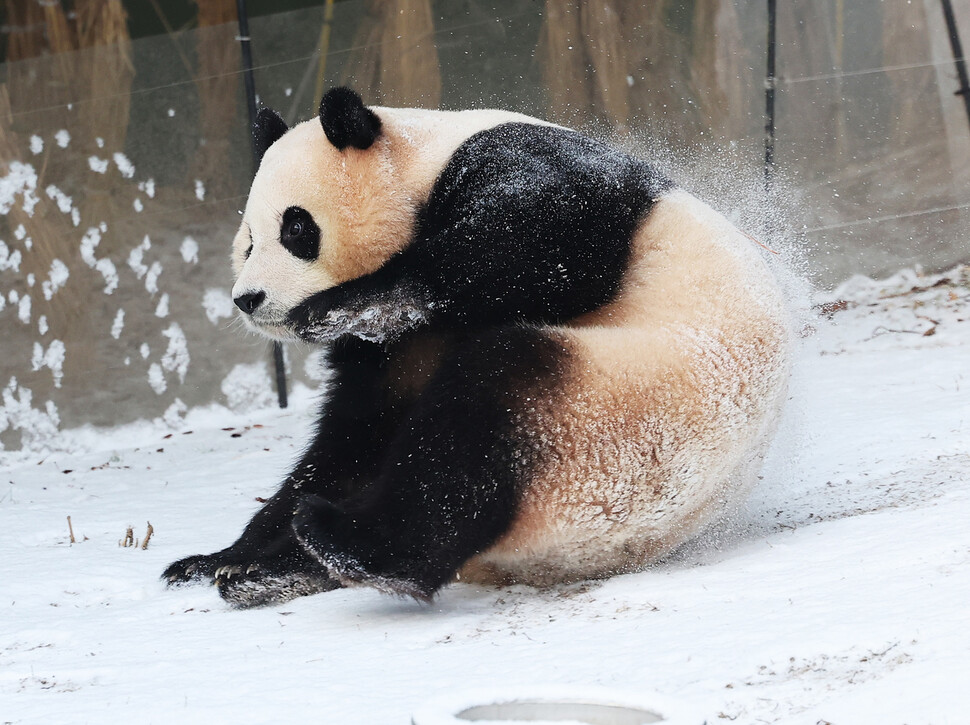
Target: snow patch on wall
118	325
57	278
190	250
161	310
124	165
156	378
8	259
21	179
136	257
98	165
217	304
52	358
176	357
38	428
248	387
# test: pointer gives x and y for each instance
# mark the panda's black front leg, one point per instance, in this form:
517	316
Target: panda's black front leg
266	563
454	473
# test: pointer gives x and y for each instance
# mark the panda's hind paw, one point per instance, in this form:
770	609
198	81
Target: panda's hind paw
245	587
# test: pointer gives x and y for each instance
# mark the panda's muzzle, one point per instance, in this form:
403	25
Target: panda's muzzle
250	301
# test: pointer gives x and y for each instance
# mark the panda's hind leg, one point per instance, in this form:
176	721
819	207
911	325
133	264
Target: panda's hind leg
454	472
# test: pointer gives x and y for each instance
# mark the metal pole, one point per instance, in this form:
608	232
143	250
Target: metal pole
770	83
247	58
957	47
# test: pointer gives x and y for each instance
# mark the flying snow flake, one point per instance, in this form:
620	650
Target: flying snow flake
42	326
3	303
21	179
14	296
52	358
162	309
23	309
8	259
156	378
36	144
217	304
118	325
20	232
31	280
124	164
176	357
190	250
100	142
75	217
199	190
63	201
98	165
137	203
151	277
147	186
171	112
288	91
63	138
144	351
57	278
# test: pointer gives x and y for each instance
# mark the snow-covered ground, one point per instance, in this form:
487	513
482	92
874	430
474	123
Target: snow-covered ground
839	595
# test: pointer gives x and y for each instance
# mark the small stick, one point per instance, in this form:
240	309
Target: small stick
148	535
71	529
129	538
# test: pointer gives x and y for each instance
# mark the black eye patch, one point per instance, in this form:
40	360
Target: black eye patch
299	234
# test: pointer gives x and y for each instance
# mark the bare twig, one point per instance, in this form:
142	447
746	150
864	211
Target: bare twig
148	535
129	539
71	530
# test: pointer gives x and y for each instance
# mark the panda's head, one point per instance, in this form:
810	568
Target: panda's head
331	201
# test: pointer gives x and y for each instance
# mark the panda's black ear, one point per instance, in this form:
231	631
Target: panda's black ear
347	121
267	129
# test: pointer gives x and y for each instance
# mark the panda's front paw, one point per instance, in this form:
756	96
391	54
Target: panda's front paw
374	317
191	569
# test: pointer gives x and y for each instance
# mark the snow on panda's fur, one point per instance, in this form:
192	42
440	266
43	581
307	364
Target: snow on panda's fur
550	363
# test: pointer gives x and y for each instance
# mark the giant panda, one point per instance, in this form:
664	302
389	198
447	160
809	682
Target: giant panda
549	362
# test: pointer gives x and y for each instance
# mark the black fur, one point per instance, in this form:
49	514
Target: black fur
299	233
526	223
451	476
424	444
267	130
347	121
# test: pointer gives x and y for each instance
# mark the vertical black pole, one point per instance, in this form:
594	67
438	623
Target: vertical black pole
957	47
247	57
770	82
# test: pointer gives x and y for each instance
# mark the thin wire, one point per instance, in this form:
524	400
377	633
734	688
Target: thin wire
288	61
865	71
888	218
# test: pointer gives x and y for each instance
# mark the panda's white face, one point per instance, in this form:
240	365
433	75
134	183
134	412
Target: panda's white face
318	216
278	253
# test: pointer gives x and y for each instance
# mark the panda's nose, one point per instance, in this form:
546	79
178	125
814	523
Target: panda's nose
250	301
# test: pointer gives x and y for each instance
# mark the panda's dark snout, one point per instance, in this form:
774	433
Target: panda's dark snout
250	301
